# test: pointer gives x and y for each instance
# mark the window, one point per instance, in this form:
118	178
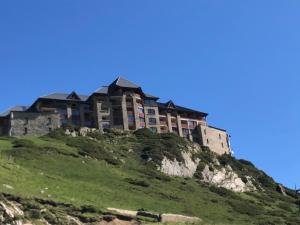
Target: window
131	118
151	112
205	131
220	137
26	120
207	141
152	121
25	130
222	145
49	120
50	129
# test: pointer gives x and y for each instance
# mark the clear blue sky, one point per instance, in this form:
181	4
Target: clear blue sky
236	60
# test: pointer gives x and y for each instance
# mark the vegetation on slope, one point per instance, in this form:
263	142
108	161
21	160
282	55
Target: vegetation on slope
119	169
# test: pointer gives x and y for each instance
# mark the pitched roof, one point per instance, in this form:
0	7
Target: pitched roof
102	90
179	108
122	82
64	96
14	109
150	96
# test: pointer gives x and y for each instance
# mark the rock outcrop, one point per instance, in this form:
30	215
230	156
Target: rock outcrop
227	178
166	218
212	173
175	168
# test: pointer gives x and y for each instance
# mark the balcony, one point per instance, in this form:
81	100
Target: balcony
174	124
184	125
162	122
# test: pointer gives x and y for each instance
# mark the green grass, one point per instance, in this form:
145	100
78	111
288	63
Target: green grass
54	169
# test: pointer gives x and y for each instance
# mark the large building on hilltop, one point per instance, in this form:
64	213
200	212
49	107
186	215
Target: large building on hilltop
121	105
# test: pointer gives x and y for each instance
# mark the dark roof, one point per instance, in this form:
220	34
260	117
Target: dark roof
179	108
102	90
64	96
14	109
217	128
122	82
150	96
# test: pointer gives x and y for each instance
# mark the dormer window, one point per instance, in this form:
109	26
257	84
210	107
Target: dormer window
73	96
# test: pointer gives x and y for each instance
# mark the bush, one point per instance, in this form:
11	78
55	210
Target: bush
145	133
57	134
198	174
136	182
222	191
155	147
88	209
23	143
92	148
34	214
244	207
96	135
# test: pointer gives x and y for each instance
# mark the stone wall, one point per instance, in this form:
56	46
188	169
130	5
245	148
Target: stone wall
216	139
27	123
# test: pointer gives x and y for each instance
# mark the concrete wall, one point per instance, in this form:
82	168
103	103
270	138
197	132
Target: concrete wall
217	140
35	123
156	116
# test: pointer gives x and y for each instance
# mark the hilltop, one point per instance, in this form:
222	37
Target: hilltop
57	177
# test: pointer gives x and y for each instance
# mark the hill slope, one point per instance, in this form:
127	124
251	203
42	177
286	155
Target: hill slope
120	170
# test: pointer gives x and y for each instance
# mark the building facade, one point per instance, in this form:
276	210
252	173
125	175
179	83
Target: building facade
121	105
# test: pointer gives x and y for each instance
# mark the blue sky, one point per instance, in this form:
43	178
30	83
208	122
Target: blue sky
236	60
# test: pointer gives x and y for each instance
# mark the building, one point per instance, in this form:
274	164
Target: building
121	105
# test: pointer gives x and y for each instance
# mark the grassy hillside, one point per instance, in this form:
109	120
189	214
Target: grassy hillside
114	171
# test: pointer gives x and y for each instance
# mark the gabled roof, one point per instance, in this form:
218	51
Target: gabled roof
64	96
170	104
122	82
14	109
150	96
102	90
73	96
179	108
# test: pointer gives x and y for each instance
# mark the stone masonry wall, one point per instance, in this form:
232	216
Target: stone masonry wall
25	123
215	139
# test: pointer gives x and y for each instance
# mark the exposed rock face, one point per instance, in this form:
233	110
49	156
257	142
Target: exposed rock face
227	178
212	173
9	211
175	168
165	218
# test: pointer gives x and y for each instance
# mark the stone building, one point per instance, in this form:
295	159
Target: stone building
121	105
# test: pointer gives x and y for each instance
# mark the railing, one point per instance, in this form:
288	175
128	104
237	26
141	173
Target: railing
184	126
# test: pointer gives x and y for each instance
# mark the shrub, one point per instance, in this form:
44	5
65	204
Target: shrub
244	207
285	206
34	214
198	174
155	147
92	148
96	135
57	134
136	182
221	191
23	143
145	133
88	209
